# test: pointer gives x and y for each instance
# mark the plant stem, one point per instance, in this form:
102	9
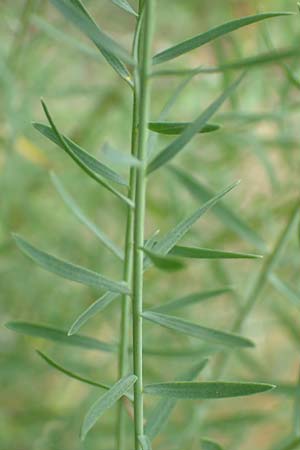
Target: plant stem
143	91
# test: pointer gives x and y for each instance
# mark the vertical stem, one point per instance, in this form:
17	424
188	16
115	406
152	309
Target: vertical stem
143	91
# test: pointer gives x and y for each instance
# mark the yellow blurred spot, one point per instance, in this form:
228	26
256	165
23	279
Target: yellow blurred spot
31	152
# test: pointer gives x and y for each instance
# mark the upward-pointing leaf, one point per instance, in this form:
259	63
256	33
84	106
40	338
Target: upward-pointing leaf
69	271
164	245
206	390
105	402
60	336
210	35
161	412
123	4
225	214
198	331
70	202
193	128
76	13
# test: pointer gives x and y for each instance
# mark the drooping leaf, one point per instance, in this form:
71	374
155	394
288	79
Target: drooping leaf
76	210
207	253
198	331
76	13
166	243
123	4
145	442
225	214
105	402
192	129
207	444
173	128
206	390
69	271
60	336
163	409
167	263
69	373
210	35
92	310
190	299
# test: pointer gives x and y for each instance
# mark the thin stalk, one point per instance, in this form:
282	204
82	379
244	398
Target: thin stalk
142	82
127	277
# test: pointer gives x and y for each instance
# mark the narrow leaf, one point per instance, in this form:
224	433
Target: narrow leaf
191	299
76	210
145	442
163	409
92	310
60	336
206	253
69	271
198	331
207	444
206	390
193	128
225	214
210	35
69	373
171	128
123	4
167	263
105	402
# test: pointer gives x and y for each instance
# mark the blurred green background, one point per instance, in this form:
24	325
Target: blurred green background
41	55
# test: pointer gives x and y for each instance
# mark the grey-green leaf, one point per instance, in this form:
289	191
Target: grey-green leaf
77	211
206	253
92	310
123	4
191	299
210	335
167	263
224	213
105	402
60	336
206	390
212	34
163	409
174	128
207	444
145	442
69	271
192	129
69	373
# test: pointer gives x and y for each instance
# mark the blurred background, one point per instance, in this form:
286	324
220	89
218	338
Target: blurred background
42	56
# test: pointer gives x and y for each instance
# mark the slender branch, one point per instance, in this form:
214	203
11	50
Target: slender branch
143	90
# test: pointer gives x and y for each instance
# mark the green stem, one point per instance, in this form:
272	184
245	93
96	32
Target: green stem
143	90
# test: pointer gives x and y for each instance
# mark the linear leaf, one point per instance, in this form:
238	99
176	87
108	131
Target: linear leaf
68	372
69	271
198	331
193	128
76	13
190	299
85	161
165	244
60	336
163	409
171	128
145	442
210	35
207	444
207	253
91	311
225	214
77	211
167	263
105	402
206	390
123	4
